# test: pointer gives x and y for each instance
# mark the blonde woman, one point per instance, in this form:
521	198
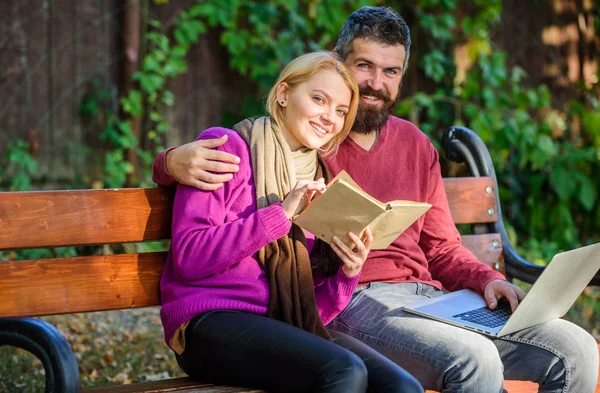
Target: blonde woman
240	303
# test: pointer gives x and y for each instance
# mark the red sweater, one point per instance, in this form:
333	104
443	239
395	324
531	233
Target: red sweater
403	164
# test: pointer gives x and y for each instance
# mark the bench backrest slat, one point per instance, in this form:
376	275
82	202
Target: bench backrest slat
472	200
81	217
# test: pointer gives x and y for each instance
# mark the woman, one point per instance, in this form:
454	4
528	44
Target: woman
240	306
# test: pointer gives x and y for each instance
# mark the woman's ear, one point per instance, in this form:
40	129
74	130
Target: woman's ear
282	93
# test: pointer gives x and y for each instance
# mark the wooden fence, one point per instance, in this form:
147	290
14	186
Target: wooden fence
54	52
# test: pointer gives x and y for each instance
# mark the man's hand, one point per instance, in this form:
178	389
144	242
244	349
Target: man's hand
499	289
191	164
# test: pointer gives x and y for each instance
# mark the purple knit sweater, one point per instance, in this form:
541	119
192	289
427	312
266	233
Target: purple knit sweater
212	262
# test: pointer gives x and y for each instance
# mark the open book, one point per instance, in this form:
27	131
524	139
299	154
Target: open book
345	207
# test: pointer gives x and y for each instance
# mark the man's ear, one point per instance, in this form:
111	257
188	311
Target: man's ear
283	91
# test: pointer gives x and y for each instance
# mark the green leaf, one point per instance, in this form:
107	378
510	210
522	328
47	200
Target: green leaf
562	182
433	65
517	74
175	66
447	20
168	98
471	110
404	108
155	116
588	193
427	20
591	125
181	37
544	151
162	127
467	25
150	64
132	104
151	82
489	96
423	100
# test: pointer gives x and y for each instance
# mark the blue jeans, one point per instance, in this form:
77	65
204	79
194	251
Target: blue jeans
558	355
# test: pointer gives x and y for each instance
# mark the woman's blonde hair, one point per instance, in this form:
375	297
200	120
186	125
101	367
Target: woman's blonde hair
299	71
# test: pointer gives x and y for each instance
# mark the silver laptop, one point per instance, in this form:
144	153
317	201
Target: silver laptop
553	293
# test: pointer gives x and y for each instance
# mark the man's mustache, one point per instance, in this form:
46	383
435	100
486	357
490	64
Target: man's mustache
367	91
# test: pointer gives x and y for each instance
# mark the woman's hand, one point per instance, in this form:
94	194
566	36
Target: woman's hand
353	259
301	196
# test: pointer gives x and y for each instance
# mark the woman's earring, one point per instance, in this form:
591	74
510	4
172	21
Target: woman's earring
282	102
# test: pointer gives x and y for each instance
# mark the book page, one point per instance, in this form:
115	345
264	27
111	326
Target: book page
343	175
403	203
399	216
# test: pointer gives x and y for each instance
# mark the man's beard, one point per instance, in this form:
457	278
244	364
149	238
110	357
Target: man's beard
371	118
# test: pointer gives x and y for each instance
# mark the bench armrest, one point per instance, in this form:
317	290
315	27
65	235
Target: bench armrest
46	343
463	145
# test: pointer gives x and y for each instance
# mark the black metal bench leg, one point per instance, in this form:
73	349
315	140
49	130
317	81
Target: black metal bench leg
47	344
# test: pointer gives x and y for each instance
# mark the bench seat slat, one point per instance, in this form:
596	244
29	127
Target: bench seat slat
80	284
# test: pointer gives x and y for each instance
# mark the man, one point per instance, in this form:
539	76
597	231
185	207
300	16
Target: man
391	159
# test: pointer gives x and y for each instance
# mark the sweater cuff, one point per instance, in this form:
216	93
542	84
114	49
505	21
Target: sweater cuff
160	174
274	221
165	161
345	284
488	277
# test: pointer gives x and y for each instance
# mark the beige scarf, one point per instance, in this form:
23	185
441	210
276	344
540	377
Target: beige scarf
275	167
286	261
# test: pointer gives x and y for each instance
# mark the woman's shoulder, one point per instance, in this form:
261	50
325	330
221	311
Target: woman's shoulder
217	132
235	143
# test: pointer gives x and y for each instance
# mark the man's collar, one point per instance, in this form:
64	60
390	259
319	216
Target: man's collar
366	141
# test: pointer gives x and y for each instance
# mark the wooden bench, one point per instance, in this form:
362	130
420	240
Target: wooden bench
110	282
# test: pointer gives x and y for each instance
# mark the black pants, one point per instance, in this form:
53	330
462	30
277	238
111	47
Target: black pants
253	351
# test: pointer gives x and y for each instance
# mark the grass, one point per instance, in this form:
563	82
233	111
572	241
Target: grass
115	347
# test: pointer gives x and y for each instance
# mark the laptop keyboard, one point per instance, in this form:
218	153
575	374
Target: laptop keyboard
486	317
